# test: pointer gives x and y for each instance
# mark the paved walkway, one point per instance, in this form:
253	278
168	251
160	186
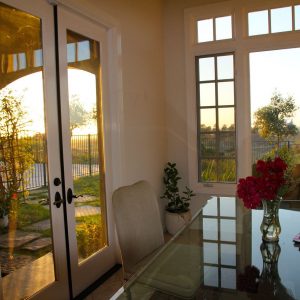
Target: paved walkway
32	241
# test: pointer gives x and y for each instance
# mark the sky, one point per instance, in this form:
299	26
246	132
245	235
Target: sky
80	82
270	71
275	70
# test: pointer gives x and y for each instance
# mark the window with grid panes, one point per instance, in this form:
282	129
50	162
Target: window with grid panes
216	118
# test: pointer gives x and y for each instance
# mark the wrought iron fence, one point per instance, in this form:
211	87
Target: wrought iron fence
261	148
85	159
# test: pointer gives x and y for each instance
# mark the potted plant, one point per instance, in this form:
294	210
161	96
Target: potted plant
177	208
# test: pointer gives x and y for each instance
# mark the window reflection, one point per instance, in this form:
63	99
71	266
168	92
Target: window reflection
227	207
211	207
228	278
210	253
211	276
84	50
228	254
210	229
219	242
228	230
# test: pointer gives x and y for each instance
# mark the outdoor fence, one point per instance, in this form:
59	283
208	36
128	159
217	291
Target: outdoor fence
260	148
85	159
85	155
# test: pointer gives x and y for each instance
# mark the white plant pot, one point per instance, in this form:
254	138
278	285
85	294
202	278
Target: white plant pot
175	221
4	221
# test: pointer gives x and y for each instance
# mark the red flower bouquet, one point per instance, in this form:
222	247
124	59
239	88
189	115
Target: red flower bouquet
267	185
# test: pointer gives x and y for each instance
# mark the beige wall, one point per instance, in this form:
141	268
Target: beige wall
176	118
144	135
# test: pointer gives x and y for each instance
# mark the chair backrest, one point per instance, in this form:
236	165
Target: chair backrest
138	223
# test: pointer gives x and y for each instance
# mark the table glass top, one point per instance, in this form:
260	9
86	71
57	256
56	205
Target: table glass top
220	255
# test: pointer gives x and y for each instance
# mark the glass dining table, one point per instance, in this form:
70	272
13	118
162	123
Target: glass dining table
220	255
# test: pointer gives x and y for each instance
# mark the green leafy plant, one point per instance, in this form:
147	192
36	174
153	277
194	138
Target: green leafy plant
176	203
90	236
15	155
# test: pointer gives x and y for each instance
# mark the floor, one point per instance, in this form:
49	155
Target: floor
108	288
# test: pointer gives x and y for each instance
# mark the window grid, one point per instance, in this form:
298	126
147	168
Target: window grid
218	158
214	29
293	20
219	242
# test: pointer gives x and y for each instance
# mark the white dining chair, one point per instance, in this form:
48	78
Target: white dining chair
138	225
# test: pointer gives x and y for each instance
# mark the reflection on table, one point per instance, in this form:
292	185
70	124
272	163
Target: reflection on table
220	255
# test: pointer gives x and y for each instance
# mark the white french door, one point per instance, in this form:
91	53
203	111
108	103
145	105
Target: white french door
54	152
84	92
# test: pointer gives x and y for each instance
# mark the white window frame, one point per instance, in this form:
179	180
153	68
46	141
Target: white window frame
241	45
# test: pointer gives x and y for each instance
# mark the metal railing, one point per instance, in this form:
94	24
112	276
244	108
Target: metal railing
85	159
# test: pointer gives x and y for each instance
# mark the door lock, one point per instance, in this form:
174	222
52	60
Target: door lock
58	200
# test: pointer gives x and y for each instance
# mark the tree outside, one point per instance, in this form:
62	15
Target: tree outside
15	154
78	115
273	121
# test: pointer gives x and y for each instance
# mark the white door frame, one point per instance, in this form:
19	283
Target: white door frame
92	268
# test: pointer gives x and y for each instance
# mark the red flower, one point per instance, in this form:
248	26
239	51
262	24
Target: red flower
265	186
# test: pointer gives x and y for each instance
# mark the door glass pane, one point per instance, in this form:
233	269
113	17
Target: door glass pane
26	255
86	143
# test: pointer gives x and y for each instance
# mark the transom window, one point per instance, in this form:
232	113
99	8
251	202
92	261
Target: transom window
214	29
274	20
216	118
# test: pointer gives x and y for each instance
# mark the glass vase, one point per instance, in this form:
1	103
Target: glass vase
270	226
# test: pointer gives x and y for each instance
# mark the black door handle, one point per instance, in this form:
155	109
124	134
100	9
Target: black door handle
58	200
71	196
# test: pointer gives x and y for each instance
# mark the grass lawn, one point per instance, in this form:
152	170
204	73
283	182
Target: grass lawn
31	213
88	185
